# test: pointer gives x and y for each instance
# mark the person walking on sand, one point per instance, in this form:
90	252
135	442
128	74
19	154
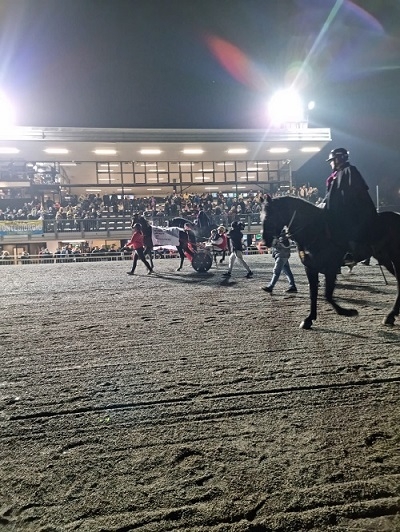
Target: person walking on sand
137	244
281	254
235	236
187	245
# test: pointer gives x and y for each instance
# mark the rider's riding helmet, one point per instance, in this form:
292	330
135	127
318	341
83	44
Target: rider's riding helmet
339	153
221	229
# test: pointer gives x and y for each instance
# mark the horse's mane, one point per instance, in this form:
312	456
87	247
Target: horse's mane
294	200
146	226
294	203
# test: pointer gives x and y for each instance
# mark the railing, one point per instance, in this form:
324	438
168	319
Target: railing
158	253
123	223
61	258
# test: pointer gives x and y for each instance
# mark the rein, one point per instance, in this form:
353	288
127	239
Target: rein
299	229
291	221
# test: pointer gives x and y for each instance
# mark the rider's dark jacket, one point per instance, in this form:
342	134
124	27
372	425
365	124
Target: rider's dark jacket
351	211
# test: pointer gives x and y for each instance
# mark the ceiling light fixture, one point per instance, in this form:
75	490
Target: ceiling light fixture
237	151
193	151
310	149
56	151
9	151
150	151
105	151
279	150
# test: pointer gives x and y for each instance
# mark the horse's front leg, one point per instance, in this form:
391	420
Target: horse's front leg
312	276
149	252
330	283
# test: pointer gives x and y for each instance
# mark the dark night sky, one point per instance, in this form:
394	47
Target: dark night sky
210	64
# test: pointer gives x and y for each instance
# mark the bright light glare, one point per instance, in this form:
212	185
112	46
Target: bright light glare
193	151
7	115
285	106
311	105
9	151
56	151
150	151
237	151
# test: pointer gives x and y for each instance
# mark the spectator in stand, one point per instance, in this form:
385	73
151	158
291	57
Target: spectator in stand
25	257
76	253
45	255
5	257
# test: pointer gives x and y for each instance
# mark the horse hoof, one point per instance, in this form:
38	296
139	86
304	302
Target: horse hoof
353	312
306	324
389	320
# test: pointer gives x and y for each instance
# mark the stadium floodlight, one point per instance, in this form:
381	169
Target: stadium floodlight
284	107
7	114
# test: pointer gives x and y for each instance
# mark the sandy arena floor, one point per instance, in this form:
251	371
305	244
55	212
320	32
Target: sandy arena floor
185	402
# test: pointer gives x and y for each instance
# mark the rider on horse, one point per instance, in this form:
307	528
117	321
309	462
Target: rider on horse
351	212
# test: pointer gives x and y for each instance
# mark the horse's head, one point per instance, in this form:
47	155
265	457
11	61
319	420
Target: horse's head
273	222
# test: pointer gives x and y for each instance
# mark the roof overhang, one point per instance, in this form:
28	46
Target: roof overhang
215	143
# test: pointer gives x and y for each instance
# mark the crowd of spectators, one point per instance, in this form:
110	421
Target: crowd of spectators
93	206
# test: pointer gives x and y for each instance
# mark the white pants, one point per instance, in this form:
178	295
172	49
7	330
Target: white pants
239	256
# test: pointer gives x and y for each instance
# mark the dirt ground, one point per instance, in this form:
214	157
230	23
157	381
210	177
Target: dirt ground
182	401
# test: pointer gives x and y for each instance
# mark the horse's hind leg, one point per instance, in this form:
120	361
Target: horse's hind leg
390	318
149	253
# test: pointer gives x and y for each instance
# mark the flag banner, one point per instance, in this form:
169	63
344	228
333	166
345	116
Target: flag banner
21	227
166	236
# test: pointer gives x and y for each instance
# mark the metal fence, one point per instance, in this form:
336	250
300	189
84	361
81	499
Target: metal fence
159	253
123	223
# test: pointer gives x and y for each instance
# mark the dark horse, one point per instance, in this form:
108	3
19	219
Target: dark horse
202	230
147	231
308	227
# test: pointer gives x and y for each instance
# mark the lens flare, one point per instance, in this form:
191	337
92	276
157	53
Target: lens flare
7	116
236	62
